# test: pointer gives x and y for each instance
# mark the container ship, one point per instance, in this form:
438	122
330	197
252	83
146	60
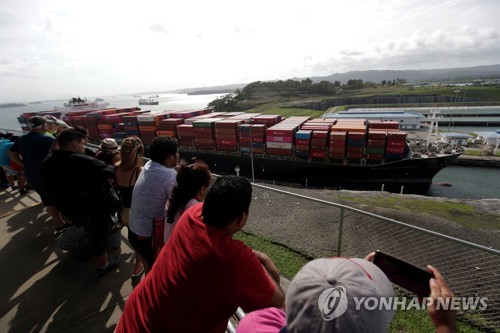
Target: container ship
334	153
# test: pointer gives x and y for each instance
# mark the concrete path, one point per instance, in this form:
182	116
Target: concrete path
44	289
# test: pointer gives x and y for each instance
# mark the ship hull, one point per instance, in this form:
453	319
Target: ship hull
415	174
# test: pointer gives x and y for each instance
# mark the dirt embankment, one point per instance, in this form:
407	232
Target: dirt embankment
480	224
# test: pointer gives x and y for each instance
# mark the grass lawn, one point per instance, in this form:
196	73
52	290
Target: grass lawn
473	152
457	212
286	112
290	261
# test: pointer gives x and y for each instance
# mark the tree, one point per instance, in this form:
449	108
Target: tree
223	104
355	84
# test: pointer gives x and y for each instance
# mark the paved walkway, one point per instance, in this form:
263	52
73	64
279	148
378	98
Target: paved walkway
44	289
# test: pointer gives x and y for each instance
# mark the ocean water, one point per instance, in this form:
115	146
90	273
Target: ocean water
174	102
466	182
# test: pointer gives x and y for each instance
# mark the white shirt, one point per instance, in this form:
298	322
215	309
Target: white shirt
151	192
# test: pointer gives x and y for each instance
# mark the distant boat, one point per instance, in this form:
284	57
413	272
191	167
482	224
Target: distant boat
148	101
79	104
35	102
99	100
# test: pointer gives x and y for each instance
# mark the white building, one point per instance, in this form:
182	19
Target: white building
406	120
455	138
488	138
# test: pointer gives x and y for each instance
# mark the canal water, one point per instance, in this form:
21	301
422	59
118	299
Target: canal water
466	182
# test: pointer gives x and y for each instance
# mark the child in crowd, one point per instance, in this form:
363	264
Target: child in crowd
192	185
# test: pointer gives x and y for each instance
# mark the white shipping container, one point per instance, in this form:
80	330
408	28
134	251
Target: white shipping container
279	145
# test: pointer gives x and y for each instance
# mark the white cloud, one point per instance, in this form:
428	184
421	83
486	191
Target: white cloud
106	47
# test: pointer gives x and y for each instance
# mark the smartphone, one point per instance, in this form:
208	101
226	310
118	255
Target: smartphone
404	274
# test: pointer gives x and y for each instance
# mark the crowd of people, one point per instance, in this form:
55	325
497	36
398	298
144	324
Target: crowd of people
181	224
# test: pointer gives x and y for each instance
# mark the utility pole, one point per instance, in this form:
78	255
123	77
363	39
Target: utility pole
454	105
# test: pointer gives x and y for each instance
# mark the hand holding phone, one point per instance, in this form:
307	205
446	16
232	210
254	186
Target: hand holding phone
404	274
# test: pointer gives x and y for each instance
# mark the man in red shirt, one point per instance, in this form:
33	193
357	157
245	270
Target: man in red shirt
202	275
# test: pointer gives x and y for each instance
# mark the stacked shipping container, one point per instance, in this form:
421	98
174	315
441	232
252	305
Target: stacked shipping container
254	135
280	137
226	135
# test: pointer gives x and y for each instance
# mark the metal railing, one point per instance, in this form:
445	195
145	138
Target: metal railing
319	228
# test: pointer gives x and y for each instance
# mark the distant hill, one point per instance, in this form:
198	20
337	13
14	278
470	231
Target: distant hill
12	105
377	76
210	90
416	76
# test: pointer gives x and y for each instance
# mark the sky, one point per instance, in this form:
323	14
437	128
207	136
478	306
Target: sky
52	49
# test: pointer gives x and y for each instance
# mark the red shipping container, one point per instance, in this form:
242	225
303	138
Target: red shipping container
338	150
318	154
203	130
280	132
165	133
396	136
335	134
318	142
147	128
376	143
186	135
227	123
396	144
204	135
394	150
244	139
258	150
277	151
337	143
303	142
354	155
226	136
377	135
355	149
226	131
320	135
355	136
303	147
258	140
147	123
383	124
226	142
203	140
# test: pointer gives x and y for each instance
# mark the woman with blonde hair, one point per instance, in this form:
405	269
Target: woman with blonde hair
192	184
126	173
